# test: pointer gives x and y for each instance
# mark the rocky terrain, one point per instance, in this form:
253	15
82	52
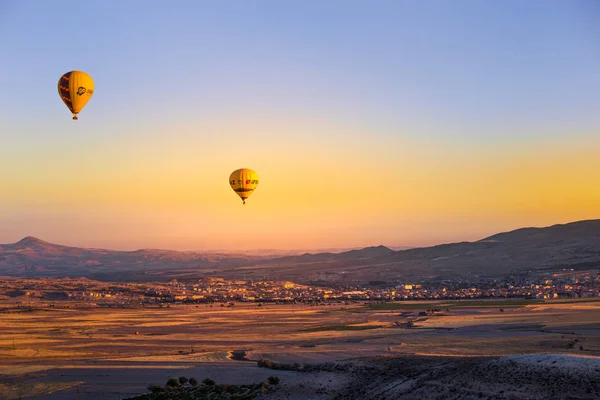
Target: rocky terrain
531	376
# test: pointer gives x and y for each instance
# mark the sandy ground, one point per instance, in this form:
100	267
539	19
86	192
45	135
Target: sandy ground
98	352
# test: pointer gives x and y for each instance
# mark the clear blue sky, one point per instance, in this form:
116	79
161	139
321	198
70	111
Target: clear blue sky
456	75
465	65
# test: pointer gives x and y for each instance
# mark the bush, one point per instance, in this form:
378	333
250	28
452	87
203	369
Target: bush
232	389
173	382
208	382
183	380
265	363
156	389
193	381
273	380
263	387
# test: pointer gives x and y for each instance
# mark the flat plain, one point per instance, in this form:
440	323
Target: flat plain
100	353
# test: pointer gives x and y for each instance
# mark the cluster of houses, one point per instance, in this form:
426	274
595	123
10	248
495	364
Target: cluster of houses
211	290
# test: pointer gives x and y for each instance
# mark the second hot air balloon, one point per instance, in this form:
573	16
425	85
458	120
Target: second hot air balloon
243	181
75	89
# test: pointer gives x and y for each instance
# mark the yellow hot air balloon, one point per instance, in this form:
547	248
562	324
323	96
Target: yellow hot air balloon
75	89
243	181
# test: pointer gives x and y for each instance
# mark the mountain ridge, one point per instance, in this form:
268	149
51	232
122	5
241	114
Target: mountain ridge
518	251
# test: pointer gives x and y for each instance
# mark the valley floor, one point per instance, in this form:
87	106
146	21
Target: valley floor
95	354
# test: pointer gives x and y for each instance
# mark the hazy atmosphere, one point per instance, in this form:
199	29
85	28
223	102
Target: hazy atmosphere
398	123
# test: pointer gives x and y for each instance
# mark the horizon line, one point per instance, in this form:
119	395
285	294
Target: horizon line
304	251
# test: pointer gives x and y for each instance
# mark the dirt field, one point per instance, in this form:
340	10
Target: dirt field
63	353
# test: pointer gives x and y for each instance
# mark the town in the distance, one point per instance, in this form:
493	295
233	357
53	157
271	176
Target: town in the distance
557	262
55	292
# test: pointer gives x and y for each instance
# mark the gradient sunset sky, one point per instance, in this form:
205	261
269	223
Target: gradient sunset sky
368	122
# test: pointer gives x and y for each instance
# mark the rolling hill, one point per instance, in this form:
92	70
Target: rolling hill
574	245
34	257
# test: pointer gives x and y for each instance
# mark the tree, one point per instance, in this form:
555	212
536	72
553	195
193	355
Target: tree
265	363
208	382
193	381
183	380
173	382
155	389
273	380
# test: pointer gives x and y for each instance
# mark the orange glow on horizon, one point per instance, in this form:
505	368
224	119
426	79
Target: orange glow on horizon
175	194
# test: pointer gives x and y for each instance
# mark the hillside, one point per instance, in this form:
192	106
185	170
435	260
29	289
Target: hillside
34	257
574	245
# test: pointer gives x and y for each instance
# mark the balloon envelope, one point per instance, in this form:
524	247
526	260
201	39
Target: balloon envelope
75	89
243	181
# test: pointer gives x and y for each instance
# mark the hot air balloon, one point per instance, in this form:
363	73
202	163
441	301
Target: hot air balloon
75	89
243	181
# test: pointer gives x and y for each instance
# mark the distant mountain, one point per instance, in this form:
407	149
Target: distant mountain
366	253
574	245
34	257
588	230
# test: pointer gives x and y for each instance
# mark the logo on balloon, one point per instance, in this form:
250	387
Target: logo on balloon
81	90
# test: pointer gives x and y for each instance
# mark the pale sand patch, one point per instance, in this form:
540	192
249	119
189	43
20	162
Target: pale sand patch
308	386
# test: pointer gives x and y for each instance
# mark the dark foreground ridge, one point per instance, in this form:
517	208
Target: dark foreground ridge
468	378
529	376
